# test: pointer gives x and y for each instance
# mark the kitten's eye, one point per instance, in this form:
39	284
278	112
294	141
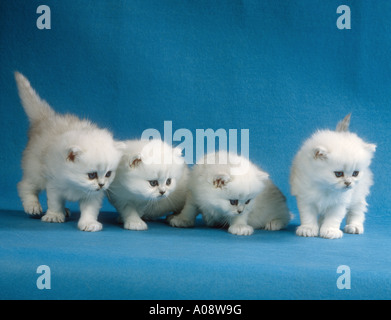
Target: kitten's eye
153	183
248	201
108	174
234	202
168	182
338	174
92	175
355	173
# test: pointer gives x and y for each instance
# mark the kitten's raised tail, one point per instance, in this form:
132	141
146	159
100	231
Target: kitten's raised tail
35	108
343	125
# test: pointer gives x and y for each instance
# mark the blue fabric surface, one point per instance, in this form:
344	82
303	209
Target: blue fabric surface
199	263
281	69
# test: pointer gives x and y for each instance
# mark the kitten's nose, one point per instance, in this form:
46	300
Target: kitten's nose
239	211
101	185
347	183
162	192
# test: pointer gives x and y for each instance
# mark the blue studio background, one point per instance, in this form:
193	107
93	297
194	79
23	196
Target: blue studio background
281	69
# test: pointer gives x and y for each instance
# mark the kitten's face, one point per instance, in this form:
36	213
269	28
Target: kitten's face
341	166
92	168
226	183
147	174
234	196
233	203
343	177
95	178
153	182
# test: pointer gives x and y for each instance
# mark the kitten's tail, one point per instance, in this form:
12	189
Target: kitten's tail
343	125
35	108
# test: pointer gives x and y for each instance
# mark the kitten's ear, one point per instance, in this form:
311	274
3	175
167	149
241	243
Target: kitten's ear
73	153
370	147
178	152
135	161
221	180
262	176
320	153
343	125
177	156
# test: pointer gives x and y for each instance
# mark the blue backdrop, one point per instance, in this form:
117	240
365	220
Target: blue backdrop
281	69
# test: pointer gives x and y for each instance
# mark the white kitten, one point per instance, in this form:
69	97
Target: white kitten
70	158
229	190
330	178
150	183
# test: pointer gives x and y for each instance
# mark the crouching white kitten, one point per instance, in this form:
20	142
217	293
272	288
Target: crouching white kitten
151	182
231	191
330	178
71	158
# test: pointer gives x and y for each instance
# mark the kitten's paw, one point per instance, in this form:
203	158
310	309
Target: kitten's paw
89	225
241	229
330	233
276	224
354	228
307	231
137	225
179	222
32	207
53	217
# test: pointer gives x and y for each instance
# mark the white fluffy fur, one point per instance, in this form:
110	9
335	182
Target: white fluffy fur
323	199
212	186
62	150
132	194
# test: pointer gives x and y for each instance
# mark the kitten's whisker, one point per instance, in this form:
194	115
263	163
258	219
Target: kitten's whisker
172	204
225	222
107	193
150	203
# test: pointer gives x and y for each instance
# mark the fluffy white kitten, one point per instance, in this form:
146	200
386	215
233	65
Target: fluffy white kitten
70	158
330	178
231	191
151	182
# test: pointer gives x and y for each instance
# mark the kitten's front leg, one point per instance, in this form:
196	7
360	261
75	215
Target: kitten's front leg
308	219
240	227
355	219
29	194
186	218
331	222
89	211
132	220
56	206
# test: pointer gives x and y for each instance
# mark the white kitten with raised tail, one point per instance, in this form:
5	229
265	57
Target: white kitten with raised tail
151	182
231	191
330	178
71	159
